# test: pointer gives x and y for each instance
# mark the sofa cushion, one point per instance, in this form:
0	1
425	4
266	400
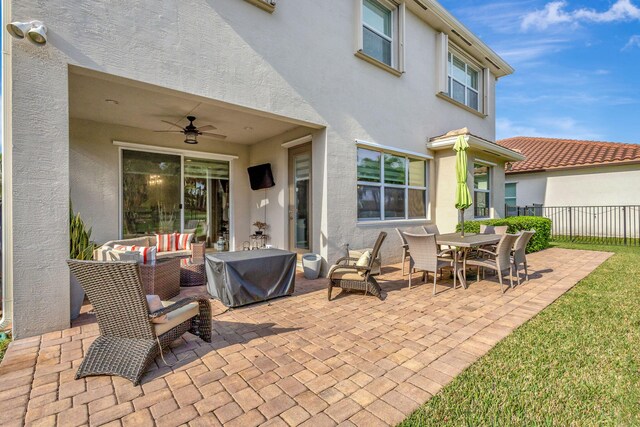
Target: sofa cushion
174	318
136	241
166	242
183	241
173	254
357	253
146	254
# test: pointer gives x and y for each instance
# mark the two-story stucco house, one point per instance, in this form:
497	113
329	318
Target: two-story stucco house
345	99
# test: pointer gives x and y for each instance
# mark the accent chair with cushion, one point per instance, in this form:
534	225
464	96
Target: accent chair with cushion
131	335
357	273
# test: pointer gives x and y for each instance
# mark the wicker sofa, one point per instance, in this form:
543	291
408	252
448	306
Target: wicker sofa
107	252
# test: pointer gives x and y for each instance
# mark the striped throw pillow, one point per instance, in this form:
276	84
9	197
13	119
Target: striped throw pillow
184	241
147	254
166	242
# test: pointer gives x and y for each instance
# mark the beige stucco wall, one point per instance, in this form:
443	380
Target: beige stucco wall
94	174
445	161
596	186
298	62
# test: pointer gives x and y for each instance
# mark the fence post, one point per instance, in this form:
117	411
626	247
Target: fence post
624	222
570	225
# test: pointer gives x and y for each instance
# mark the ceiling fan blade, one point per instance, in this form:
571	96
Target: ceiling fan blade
214	135
169	131
206	128
172	124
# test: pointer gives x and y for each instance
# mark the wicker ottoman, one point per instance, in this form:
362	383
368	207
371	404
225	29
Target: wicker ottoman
192	272
161	278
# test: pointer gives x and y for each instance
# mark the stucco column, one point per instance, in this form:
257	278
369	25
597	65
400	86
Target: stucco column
39	186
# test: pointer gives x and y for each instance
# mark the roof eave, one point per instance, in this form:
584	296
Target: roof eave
442	20
447	142
573	167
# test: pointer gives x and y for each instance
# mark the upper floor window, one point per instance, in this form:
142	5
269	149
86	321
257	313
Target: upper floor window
380	34
377	31
481	190
391	186
464	81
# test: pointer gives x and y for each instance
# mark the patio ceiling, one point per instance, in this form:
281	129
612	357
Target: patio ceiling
141	105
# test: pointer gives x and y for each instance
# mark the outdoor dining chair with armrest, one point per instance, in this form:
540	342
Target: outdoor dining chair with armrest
426	257
519	256
499	261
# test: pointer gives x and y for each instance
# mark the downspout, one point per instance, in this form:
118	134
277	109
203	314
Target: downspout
7	196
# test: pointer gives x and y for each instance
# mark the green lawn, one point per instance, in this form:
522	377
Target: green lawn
577	363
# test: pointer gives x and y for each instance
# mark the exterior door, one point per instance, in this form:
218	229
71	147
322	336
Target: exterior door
300	225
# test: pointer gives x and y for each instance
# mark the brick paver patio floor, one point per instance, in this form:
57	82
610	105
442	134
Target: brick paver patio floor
299	360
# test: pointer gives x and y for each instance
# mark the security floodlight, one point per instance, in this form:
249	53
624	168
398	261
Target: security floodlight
18	29
38	33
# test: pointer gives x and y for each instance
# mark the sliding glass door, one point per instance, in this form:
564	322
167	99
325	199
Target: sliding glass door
151	192
171	192
206	200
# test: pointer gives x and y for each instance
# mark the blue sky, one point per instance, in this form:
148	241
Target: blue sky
577	65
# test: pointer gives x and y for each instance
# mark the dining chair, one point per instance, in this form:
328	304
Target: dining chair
424	255
493	229
499	261
405	250
519	256
431	229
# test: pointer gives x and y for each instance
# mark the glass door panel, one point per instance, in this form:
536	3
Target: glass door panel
206	201
151	192
300	199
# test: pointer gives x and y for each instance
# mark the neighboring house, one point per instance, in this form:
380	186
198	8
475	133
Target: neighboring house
343	98
565	172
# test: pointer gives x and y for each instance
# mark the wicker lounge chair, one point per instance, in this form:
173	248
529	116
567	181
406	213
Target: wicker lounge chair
348	276
500	260
425	256
128	340
519	256
405	250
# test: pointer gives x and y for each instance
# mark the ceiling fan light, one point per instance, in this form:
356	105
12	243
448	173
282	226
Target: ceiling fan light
191	137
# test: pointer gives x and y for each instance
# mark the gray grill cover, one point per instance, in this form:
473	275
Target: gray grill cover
245	277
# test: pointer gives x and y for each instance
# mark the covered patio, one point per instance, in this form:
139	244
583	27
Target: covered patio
299	360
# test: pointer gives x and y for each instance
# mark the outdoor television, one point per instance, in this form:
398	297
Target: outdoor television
261	176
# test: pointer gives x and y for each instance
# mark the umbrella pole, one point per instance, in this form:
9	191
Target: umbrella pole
462	221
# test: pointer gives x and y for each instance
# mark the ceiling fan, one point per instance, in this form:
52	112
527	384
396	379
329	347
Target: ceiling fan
192	132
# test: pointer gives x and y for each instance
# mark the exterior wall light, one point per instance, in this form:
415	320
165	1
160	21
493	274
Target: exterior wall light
36	31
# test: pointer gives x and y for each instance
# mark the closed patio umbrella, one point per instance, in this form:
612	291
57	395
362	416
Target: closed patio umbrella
463	195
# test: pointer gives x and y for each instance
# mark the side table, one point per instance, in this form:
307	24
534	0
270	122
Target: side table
192	272
161	278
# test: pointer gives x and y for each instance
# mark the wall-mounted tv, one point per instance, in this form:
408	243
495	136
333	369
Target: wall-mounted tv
260	176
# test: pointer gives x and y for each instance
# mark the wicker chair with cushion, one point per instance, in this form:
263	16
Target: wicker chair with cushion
128	340
519	256
499	261
425	256
405	250
493	229
349	276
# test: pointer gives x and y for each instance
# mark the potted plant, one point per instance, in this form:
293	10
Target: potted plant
261	226
80	248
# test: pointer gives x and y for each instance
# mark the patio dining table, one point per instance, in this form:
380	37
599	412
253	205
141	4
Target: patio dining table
462	245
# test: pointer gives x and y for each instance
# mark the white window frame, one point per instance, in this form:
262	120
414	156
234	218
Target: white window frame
406	187
468	64
514	198
398	12
489	167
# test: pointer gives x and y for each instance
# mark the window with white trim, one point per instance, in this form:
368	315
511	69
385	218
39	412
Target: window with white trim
381	32
391	186
464	81
481	190
510	197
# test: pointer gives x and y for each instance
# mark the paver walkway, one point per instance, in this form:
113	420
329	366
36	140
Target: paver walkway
299	360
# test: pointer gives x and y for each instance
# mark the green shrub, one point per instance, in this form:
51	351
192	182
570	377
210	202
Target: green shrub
541	225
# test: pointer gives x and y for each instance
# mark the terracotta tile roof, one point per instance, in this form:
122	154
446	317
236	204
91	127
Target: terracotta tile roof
553	153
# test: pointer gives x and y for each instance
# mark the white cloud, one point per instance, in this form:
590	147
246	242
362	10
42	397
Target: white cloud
634	41
555	13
